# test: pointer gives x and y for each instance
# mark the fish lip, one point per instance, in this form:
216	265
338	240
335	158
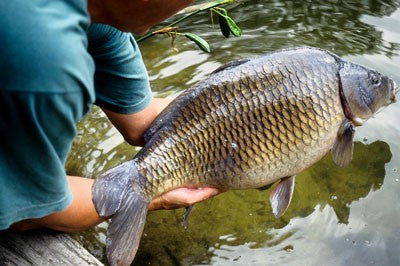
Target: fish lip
396	89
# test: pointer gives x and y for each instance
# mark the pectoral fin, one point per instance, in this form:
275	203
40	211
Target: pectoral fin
281	196
185	223
342	150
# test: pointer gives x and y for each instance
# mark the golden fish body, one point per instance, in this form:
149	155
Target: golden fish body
247	127
250	124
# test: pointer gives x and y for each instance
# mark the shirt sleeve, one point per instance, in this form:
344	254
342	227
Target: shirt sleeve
121	81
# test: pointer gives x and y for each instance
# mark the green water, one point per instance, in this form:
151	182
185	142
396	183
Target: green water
347	216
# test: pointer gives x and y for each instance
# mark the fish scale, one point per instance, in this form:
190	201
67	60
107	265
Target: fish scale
294	110
250	124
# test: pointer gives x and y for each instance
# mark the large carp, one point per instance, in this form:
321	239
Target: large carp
250	124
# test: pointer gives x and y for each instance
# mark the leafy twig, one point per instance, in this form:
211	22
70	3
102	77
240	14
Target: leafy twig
202	8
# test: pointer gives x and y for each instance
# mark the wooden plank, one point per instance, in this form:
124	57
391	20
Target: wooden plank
42	248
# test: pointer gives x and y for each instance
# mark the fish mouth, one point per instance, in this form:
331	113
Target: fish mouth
395	90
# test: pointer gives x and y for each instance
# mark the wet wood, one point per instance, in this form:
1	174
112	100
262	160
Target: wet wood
42	248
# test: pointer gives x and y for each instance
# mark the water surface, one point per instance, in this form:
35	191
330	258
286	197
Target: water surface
337	216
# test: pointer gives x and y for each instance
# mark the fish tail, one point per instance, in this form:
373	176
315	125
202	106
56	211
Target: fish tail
119	193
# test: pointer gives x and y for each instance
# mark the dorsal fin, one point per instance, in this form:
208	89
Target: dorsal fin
158	123
166	115
231	65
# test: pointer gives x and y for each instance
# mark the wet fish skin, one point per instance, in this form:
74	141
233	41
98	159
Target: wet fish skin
253	124
250	124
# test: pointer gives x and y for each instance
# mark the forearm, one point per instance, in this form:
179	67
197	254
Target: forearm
81	213
78	216
133	126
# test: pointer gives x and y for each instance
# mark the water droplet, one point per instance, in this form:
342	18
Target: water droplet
397	180
347	239
234	145
367	242
333	197
365	139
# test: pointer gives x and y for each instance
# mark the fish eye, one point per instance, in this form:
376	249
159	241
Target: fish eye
375	80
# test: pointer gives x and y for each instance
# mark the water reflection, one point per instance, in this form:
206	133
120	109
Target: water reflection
98	147
339	26
339	187
334	25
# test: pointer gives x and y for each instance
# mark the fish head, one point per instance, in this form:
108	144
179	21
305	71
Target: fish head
364	91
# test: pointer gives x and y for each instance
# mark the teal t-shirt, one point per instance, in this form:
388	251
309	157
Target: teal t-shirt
53	66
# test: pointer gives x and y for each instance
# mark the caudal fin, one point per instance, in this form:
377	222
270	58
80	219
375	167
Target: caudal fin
118	193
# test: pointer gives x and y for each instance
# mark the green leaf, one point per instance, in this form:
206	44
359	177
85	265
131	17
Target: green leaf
233	27
223	24
223	16
201	43
216	3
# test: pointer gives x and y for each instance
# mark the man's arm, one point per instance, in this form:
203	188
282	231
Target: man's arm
133	126
136	16
81	213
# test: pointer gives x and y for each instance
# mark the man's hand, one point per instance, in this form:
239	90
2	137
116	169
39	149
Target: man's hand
182	197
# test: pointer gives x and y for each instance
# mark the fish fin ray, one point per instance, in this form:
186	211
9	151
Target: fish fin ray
108	188
342	150
125	230
117	193
231	65
185	223
281	195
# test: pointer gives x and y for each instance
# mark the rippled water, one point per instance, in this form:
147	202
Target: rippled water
337	216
